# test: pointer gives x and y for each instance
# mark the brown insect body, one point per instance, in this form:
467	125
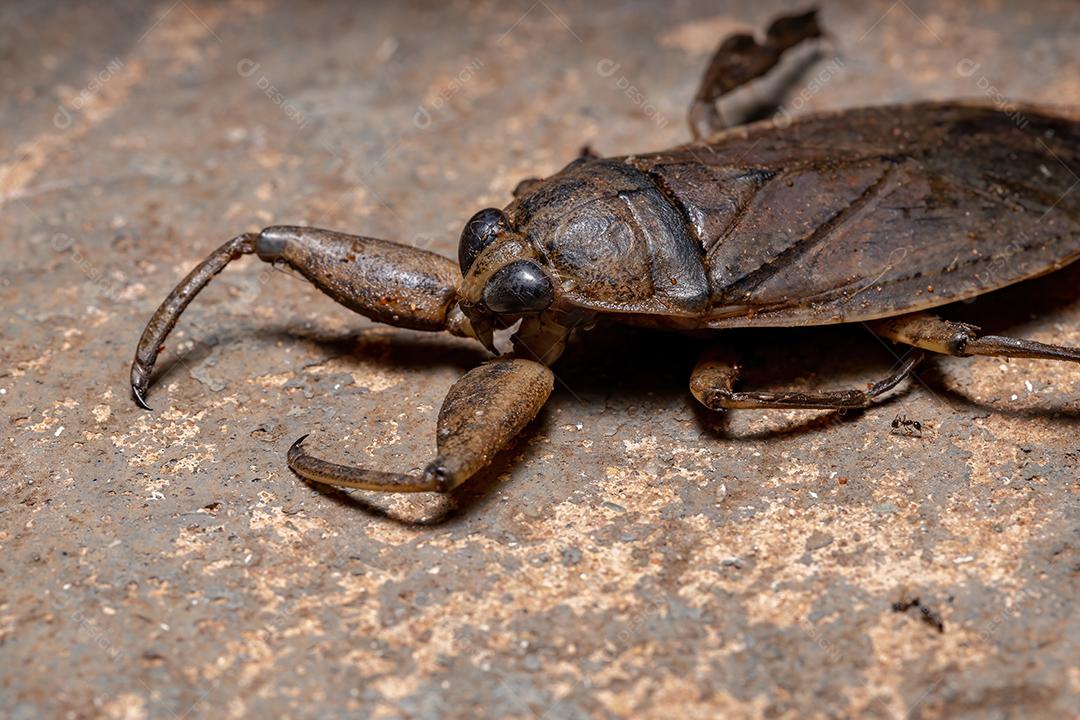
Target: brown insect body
873	214
837	217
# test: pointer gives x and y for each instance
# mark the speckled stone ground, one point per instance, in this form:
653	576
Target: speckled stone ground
632	555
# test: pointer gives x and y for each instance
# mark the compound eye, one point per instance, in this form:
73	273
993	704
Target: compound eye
519	287
479	232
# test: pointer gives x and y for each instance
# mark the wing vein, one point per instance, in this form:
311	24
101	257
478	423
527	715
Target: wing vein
813	239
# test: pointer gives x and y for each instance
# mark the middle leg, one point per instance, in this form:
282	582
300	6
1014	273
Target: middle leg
713	381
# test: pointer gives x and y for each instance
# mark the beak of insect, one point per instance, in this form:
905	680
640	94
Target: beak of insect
485	333
481	325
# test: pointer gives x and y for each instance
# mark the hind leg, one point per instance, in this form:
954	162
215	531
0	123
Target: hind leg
740	59
927	331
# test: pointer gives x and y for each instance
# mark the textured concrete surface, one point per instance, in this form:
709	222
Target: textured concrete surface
632	555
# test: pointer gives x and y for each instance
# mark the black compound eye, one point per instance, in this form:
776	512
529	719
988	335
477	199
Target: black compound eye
479	232
519	287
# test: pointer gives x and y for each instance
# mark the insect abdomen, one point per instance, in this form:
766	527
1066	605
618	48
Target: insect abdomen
874	212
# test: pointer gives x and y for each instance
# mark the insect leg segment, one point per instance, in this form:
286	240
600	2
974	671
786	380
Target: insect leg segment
740	59
927	331
389	283
713	380
482	412
164	319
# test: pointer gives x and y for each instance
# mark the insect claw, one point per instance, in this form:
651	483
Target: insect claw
320	471
295	447
139	398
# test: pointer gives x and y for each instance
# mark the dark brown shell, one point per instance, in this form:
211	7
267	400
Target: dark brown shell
856	215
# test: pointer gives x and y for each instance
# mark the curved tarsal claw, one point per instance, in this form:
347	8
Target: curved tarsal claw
140	382
137	394
327	473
